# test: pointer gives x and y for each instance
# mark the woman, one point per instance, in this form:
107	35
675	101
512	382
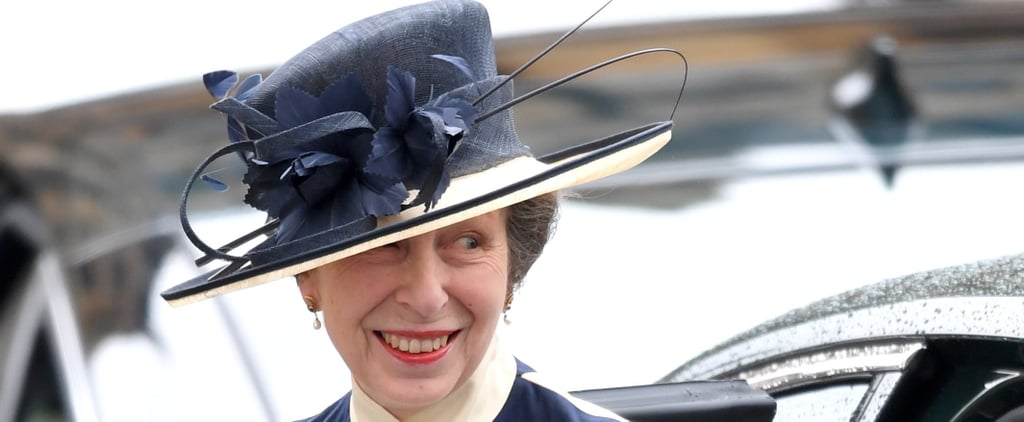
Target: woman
402	201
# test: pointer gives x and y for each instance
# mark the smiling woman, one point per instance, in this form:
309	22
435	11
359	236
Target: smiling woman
399	196
413	319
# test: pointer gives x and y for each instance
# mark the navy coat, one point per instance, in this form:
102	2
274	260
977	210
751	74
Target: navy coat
528	401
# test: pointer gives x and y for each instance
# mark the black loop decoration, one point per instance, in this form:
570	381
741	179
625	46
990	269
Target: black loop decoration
235	147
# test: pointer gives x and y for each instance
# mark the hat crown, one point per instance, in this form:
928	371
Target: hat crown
405	39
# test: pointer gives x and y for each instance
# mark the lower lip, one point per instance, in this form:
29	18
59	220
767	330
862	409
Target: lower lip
418	358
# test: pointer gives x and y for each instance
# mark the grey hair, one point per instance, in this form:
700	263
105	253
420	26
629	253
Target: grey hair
529	226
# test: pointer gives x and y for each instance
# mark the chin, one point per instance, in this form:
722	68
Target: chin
406	397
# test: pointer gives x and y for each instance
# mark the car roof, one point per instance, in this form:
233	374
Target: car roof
917	305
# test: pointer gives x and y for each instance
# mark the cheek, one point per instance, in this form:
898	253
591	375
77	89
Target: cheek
349	303
352	300
483	291
346	297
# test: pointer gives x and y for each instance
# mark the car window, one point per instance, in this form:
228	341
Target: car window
836	402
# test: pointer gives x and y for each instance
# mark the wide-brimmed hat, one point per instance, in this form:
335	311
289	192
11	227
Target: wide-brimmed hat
388	128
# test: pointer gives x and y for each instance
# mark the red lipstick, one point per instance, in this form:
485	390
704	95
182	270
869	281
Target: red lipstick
418	358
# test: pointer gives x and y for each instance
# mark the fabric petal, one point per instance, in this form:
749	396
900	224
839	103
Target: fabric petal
455	111
420	139
248	86
346	94
399	98
306	163
220	82
322	182
459	63
435	181
294	107
382	202
388	158
450	125
290	222
346	205
252	119
266	192
441	186
235	130
214	183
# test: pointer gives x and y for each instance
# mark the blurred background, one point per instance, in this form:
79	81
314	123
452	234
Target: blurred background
819	146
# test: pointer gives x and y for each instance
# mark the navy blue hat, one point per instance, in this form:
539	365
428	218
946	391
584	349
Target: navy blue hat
388	128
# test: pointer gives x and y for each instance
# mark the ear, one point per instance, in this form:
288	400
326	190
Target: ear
307	286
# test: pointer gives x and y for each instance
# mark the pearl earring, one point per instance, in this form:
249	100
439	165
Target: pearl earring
311	305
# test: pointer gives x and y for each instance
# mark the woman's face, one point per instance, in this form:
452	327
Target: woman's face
413	319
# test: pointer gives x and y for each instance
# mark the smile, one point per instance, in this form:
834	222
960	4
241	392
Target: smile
415	345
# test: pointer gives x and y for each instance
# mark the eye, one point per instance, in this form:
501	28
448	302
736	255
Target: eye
469	242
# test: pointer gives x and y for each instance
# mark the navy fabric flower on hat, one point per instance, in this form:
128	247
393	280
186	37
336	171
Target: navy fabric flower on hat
313	176
320	163
321	182
417	141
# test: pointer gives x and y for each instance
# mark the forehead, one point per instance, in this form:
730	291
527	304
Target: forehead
495	219
493	223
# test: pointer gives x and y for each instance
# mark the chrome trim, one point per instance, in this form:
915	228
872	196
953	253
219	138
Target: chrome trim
1008	375
1003	376
829	364
877	397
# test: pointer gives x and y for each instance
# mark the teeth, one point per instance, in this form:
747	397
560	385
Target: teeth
415	345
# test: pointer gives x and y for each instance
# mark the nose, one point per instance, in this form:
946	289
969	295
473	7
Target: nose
424	278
